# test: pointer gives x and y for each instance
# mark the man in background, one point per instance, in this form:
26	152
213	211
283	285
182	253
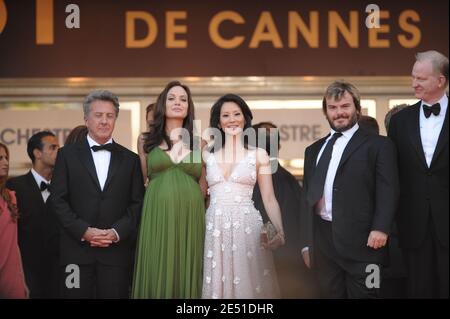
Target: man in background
37	227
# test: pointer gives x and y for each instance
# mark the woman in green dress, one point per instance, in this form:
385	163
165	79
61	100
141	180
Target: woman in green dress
169	253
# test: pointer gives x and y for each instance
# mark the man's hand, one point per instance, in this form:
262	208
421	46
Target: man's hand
306	258
377	239
104	239
91	232
100	237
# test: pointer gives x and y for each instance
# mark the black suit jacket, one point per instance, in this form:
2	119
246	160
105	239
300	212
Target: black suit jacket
423	189
365	195
79	203
37	236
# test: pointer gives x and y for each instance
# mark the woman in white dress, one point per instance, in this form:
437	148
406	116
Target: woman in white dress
238	262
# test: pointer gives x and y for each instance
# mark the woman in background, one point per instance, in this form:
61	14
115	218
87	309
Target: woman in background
77	135
12	279
150	109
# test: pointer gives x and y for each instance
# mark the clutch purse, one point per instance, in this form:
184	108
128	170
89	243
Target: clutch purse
270	230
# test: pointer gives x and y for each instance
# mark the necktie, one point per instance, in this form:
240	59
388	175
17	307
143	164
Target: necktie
318	179
106	147
435	109
44	186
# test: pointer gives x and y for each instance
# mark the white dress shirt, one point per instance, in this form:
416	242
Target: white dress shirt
431	127
38	178
102	159
338	149
325	204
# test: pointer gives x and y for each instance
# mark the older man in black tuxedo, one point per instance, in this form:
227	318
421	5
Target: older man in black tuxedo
421	135
97	192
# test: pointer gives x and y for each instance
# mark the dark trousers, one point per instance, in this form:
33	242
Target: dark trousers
97	281
43	280
428	268
337	277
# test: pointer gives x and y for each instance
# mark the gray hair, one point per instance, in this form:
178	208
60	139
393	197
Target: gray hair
100	95
438	61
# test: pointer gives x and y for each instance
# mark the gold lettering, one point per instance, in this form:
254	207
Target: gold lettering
131	41
44	22
350	34
416	35
214	25
265	21
310	34
374	42
173	29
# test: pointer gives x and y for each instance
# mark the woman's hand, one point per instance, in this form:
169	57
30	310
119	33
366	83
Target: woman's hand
275	243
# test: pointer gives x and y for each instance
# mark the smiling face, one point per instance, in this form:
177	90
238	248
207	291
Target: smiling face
232	119
341	114
177	103
428	85
4	163
101	120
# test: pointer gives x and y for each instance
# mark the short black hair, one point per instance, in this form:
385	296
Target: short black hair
35	142
265	125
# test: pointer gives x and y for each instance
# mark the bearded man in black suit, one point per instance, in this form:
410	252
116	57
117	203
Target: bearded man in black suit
350	197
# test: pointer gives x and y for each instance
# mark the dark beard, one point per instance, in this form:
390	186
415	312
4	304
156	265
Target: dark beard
352	122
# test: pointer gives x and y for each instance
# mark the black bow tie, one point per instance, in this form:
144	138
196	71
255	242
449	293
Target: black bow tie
435	109
106	147
44	186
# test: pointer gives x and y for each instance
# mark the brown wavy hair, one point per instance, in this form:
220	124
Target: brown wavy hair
157	132
5	193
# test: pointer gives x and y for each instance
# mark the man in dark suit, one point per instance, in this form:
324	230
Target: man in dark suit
351	191
421	135
37	227
97	192
294	278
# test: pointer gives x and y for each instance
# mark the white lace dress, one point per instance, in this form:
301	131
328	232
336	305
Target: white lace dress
235	263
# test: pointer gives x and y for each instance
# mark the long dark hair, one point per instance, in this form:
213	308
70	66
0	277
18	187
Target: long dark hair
77	135
214	119
157	132
5	194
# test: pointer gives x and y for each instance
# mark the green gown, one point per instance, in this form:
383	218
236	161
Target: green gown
169	255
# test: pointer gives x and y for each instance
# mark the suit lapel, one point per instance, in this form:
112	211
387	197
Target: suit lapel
311	166
414	132
35	191
442	141
116	159
317	147
358	138
85	157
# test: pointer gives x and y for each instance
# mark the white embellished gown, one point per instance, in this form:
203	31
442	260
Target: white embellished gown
235	263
